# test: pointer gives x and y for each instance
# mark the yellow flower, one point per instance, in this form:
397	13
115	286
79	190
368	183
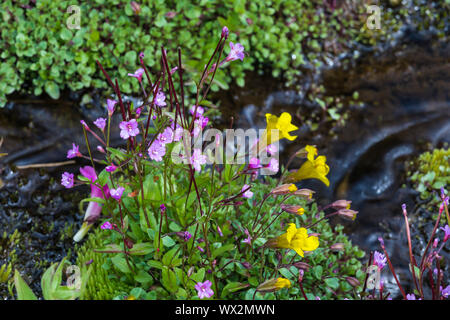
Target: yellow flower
282	125
282	283
274	285
292	188
300	211
295	239
313	168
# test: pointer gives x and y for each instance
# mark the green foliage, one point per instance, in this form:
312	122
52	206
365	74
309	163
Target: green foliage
51	284
41	54
430	172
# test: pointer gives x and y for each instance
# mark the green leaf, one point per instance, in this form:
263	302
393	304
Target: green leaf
52	89
155	264
220	251
120	263
168	241
23	290
169	280
199	275
333	283
317	272
233	287
169	256
140	249
143	277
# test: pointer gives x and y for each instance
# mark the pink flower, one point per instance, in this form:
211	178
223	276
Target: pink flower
446	230
198	159
166	136
172	71
204	289
254	163
219	231
137	74
67	180
100	149
160	99
273	165
445	292
157	150
138	112
83	123
100	123
94	209
106	226
248	240
117	193
271	149
178	132
199	124
410	296
379	260
247	194
237	52
111	168
128	129
110	105
199	111
225	32
74	152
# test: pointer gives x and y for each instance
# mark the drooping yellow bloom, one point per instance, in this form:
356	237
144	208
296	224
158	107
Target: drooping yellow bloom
274	285
313	168
278	128
295	239
282	283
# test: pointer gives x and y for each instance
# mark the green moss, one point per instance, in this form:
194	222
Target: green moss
41	54
101	285
429	172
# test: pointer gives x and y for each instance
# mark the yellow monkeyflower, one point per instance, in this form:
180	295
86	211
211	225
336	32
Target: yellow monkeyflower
282	283
313	168
274	285
295	239
283	126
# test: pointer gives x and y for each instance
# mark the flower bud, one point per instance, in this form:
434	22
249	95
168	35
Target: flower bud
304	193
348	214
190	271
341	204
293	209
353	281
136	7
300	275
225	32
302	265
129	243
336	247
284	189
246	265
